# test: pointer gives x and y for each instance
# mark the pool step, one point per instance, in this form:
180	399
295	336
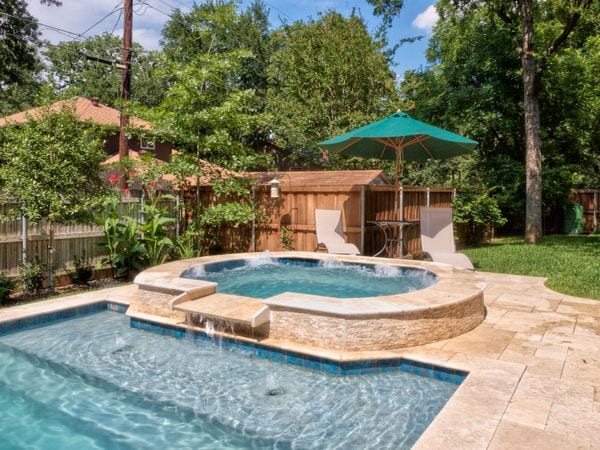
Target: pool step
235	309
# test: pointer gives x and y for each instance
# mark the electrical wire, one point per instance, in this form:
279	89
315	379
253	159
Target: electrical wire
117	22
114	10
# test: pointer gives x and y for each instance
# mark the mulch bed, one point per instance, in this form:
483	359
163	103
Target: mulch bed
20	298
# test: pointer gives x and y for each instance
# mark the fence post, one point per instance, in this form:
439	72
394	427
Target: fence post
177	214
253	237
363	213
595	219
23	239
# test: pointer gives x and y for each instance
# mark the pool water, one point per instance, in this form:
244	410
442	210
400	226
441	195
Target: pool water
265	277
95	382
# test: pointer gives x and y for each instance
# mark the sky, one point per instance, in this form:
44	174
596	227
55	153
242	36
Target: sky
79	19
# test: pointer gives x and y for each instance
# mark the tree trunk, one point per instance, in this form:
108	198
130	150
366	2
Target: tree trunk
533	158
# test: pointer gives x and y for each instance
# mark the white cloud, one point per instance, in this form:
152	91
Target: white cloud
427	19
76	16
148	37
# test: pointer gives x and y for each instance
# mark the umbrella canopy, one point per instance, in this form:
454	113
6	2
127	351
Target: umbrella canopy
400	137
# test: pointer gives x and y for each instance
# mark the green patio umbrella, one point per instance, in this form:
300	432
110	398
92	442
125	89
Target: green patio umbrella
400	138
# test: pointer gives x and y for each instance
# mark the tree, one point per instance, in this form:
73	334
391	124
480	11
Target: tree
71	74
326	77
18	60
533	65
51	166
218	28
475	86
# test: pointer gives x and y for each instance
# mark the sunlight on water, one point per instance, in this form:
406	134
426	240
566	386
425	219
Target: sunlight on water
64	386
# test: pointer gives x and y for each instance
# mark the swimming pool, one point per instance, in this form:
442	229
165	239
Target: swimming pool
264	277
97	382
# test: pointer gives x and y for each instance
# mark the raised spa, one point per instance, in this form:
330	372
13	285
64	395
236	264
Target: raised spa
335	303
265	277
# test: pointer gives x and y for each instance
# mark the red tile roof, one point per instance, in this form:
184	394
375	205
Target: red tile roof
83	108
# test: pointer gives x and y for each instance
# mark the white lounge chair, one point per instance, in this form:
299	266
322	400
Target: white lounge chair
437	237
330	233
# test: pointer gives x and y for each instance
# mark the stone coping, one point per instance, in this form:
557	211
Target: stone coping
454	285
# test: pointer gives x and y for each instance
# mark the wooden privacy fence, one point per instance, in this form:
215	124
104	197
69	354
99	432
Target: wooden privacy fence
70	241
295	209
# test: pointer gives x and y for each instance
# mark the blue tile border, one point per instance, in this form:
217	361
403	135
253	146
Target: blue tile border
330	367
40	320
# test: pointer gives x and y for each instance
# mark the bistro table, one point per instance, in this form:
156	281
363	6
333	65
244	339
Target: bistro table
393	236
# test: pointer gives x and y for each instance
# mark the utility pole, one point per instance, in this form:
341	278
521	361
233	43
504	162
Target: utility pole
125	88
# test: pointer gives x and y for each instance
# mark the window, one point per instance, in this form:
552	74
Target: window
147	143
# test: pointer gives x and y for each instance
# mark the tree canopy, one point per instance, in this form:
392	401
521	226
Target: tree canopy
327	76
70	73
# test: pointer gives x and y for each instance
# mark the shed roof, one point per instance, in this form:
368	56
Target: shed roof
324	177
83	108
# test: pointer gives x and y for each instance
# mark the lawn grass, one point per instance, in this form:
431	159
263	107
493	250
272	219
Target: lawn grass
571	263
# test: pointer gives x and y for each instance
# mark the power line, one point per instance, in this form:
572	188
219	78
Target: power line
117	22
148	5
114	10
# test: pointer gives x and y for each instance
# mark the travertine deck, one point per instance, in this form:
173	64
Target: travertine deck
534	367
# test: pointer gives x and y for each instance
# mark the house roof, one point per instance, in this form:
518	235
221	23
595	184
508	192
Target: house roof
84	109
210	171
323	177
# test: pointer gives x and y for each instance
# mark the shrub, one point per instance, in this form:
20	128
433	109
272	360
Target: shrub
6	287
287	236
127	255
82	272
31	276
187	244
477	212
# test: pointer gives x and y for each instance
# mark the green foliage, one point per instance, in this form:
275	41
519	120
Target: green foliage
82	271
477	212
154	232
186	244
217	27
209	109
132	245
6	288
31	276
71	74
127	253
19	62
52	166
569	262
475	87
287	237
230	213
326	77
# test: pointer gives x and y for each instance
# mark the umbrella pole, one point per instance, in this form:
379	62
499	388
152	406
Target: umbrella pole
399	203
